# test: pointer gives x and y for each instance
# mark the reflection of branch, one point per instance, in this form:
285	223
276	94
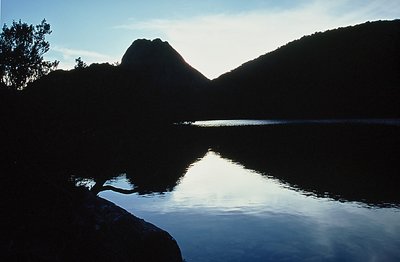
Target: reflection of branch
119	190
97	189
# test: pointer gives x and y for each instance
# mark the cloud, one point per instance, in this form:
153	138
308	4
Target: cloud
215	44
69	55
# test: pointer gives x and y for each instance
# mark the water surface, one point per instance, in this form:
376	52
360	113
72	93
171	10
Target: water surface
261	122
221	211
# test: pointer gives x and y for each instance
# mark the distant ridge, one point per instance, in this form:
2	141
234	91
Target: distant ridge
346	72
351	72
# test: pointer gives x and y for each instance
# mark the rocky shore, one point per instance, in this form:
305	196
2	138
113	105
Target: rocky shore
128	237
72	224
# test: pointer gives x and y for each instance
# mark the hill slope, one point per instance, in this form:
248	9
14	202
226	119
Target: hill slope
152	84
347	72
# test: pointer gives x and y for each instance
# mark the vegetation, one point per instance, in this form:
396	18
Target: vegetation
79	63
22	47
351	72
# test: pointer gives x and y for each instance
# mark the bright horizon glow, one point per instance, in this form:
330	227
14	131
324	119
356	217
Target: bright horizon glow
212	36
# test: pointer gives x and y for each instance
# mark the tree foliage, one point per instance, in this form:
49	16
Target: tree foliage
79	63
22	47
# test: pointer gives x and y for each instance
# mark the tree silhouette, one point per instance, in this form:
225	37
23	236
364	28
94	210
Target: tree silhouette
22	47
79	63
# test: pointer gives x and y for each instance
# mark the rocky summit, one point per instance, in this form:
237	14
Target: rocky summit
154	53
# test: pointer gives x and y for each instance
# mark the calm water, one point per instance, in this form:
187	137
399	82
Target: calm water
221	211
249	122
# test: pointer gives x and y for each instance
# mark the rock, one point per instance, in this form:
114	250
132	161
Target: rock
131	238
52	223
155	53
159	60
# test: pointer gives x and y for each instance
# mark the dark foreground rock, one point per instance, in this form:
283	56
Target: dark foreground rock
45	222
128	237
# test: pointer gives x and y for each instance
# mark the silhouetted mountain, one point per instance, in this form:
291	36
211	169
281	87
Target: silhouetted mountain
346	72
161	63
153	84
147	53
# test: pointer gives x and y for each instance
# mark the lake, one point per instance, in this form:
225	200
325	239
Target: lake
260	122
274	193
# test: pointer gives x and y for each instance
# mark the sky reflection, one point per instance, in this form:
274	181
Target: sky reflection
258	122
221	211
219	184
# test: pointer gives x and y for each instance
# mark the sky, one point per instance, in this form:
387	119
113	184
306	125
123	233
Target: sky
214	36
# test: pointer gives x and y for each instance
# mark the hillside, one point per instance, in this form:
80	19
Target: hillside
351	72
348	72
153	83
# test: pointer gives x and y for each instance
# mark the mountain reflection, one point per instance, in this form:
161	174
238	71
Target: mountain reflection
219	184
154	162
344	162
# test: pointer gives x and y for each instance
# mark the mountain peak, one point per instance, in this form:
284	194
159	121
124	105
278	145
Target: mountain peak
154	53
